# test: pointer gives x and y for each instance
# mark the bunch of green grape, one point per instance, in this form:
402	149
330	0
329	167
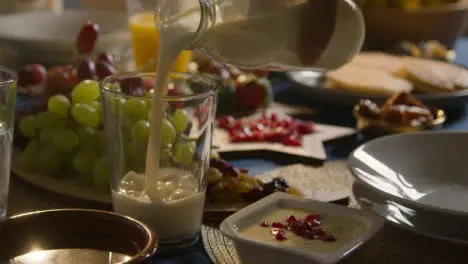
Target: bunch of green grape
67	139
177	149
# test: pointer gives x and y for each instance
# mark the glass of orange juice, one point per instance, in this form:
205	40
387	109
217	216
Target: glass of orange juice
144	37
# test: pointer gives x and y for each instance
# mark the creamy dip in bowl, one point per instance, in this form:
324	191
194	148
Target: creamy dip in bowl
309	231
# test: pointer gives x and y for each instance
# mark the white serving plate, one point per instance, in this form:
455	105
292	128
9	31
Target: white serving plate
417	180
253	251
49	38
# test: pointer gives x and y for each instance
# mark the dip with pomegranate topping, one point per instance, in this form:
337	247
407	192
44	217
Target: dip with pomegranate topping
306	230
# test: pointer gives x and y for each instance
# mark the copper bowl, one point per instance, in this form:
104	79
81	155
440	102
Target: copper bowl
387	26
76	236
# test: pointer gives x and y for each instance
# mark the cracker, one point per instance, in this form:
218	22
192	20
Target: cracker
435	76
380	61
367	81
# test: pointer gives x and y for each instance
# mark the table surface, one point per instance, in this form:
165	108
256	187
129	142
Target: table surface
25	197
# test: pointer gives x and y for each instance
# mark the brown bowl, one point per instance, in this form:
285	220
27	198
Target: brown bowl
387	26
76	236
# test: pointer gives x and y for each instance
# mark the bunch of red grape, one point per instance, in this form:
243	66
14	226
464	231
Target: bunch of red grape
61	79
65	136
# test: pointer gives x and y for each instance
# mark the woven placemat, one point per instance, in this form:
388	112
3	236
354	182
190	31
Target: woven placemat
392	245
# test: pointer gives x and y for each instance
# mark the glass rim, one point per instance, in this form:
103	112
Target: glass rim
213	88
13	76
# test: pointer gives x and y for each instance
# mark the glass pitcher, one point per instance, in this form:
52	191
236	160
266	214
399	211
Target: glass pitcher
275	35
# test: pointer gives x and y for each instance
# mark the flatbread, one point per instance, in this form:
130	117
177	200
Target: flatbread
380	61
368	81
435	76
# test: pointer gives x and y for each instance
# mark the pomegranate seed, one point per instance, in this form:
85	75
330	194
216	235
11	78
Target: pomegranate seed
319	231
31	74
277	225
309	234
87	38
312	217
238	137
313	223
292	141
275	231
283	123
280	237
291	219
298	227
273	117
106	57
270	128
328	238
257	127
307	228
304	128
86	69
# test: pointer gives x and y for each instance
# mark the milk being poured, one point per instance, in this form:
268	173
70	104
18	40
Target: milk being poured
273	41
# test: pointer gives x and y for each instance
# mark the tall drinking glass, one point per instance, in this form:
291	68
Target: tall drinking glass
144	37
173	205
7	116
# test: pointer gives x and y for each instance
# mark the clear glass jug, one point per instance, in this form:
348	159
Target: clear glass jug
278	35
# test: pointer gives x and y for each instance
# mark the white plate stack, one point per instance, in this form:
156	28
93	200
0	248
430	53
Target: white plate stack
416	181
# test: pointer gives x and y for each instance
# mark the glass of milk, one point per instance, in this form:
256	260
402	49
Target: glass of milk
171	199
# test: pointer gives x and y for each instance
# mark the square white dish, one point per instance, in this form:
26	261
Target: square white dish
252	251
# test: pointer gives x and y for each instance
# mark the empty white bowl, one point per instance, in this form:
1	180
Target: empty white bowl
419	179
49	38
361	226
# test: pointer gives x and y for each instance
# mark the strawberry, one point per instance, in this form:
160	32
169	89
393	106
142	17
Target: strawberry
253	94
226	98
